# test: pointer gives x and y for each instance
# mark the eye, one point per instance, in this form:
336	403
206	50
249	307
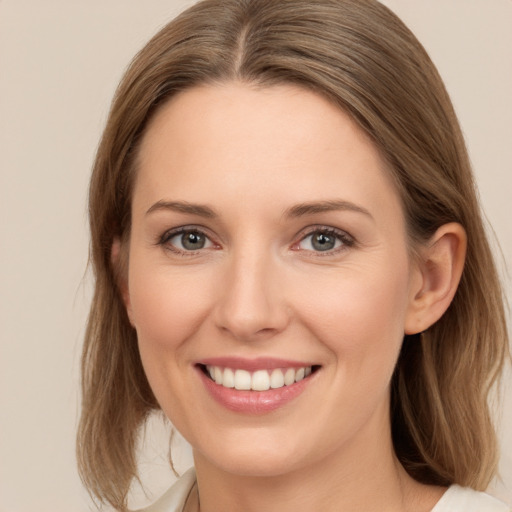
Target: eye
324	240
186	240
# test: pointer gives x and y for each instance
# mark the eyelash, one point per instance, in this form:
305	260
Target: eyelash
169	235
346	240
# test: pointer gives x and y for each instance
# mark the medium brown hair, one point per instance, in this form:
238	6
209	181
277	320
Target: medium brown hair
361	57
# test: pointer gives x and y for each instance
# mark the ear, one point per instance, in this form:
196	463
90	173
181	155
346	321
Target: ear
439	267
119	264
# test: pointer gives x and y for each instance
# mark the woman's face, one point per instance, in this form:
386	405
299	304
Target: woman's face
268	244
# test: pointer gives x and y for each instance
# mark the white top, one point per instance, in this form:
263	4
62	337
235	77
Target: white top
463	499
455	499
174	499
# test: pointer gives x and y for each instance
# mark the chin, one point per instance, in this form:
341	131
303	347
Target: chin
258	467
253	458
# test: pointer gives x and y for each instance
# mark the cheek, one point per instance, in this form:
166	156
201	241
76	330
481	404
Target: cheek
167	310
166	307
360	315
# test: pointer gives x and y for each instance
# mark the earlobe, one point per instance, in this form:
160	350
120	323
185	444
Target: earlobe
118	260
440	264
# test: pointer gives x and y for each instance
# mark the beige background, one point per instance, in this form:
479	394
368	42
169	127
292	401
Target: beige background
59	63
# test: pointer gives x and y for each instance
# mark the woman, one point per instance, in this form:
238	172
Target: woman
291	264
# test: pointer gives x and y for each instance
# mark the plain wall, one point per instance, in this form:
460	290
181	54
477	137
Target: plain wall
60	61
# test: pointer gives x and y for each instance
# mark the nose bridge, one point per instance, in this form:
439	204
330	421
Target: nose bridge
251	301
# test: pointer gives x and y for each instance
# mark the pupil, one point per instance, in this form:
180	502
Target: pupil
193	241
323	242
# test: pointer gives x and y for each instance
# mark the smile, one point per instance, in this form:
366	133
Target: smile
255	386
259	380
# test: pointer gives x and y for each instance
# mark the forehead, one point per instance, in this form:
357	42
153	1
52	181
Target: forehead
261	112
280	142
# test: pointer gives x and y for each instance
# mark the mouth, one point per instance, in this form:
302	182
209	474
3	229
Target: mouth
259	380
256	386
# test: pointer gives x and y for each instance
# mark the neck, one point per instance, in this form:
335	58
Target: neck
364	475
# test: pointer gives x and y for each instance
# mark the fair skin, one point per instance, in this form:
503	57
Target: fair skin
267	233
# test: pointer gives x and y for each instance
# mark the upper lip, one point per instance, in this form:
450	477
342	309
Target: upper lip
259	363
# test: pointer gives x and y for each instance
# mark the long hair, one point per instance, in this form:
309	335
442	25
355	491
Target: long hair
361	57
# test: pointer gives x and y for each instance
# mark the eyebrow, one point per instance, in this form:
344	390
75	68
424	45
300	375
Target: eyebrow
299	210
311	208
183	207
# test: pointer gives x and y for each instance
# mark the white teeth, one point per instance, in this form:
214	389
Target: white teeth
276	379
229	378
289	377
260	380
242	380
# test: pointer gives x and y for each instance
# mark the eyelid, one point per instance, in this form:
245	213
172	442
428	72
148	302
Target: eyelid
346	239
163	240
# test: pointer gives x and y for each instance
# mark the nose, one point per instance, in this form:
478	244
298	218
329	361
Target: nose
251	303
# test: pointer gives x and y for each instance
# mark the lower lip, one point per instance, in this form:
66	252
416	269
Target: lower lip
253	402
